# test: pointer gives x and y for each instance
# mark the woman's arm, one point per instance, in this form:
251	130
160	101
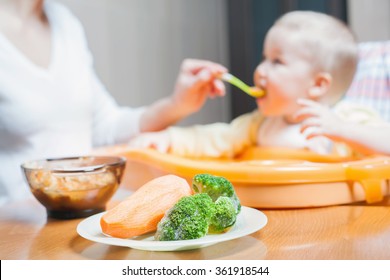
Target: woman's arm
197	80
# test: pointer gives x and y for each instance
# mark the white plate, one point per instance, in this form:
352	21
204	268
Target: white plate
248	221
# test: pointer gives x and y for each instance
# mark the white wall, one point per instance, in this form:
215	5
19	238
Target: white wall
370	19
139	44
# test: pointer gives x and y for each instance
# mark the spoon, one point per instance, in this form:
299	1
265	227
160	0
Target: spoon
254	92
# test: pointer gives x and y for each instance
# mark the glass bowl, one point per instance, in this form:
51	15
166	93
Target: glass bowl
74	187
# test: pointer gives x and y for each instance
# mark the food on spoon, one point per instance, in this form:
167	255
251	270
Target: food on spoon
141	212
213	209
189	218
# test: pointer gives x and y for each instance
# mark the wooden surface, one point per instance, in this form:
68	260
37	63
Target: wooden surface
339	232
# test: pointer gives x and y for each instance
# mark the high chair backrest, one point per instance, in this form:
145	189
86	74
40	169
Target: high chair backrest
371	85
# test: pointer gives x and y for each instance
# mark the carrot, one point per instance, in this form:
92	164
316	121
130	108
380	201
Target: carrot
141	212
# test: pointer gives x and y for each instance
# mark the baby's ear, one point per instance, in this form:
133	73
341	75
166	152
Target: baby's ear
321	85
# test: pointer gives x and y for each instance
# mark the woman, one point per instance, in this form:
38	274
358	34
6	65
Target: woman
51	101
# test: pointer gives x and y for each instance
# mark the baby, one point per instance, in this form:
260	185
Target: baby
308	57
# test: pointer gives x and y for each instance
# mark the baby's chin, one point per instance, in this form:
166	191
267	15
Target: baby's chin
267	109
270	112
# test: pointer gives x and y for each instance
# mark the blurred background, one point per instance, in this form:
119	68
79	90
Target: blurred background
138	45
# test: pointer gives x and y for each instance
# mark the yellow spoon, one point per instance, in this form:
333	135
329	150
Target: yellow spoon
254	92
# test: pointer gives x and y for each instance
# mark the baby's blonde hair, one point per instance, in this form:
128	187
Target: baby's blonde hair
332	45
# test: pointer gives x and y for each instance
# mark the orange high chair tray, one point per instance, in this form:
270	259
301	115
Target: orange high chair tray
271	177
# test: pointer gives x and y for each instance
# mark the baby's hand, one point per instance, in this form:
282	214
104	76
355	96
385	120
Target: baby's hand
318	120
197	80
159	141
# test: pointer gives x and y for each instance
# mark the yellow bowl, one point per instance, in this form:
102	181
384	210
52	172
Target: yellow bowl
74	187
271	177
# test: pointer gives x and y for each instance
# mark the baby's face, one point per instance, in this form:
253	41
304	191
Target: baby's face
286	73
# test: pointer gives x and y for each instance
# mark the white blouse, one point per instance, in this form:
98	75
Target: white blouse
63	110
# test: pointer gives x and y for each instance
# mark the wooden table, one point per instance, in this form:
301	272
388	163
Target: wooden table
357	231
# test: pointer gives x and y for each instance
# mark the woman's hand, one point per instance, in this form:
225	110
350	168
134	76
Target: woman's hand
197	81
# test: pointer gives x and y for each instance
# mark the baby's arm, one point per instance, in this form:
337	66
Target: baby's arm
320	120
213	140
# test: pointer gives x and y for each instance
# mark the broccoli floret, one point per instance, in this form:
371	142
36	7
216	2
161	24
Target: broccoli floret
224	217
214	209
215	187
189	218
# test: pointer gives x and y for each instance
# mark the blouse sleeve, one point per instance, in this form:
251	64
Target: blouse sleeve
112	124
